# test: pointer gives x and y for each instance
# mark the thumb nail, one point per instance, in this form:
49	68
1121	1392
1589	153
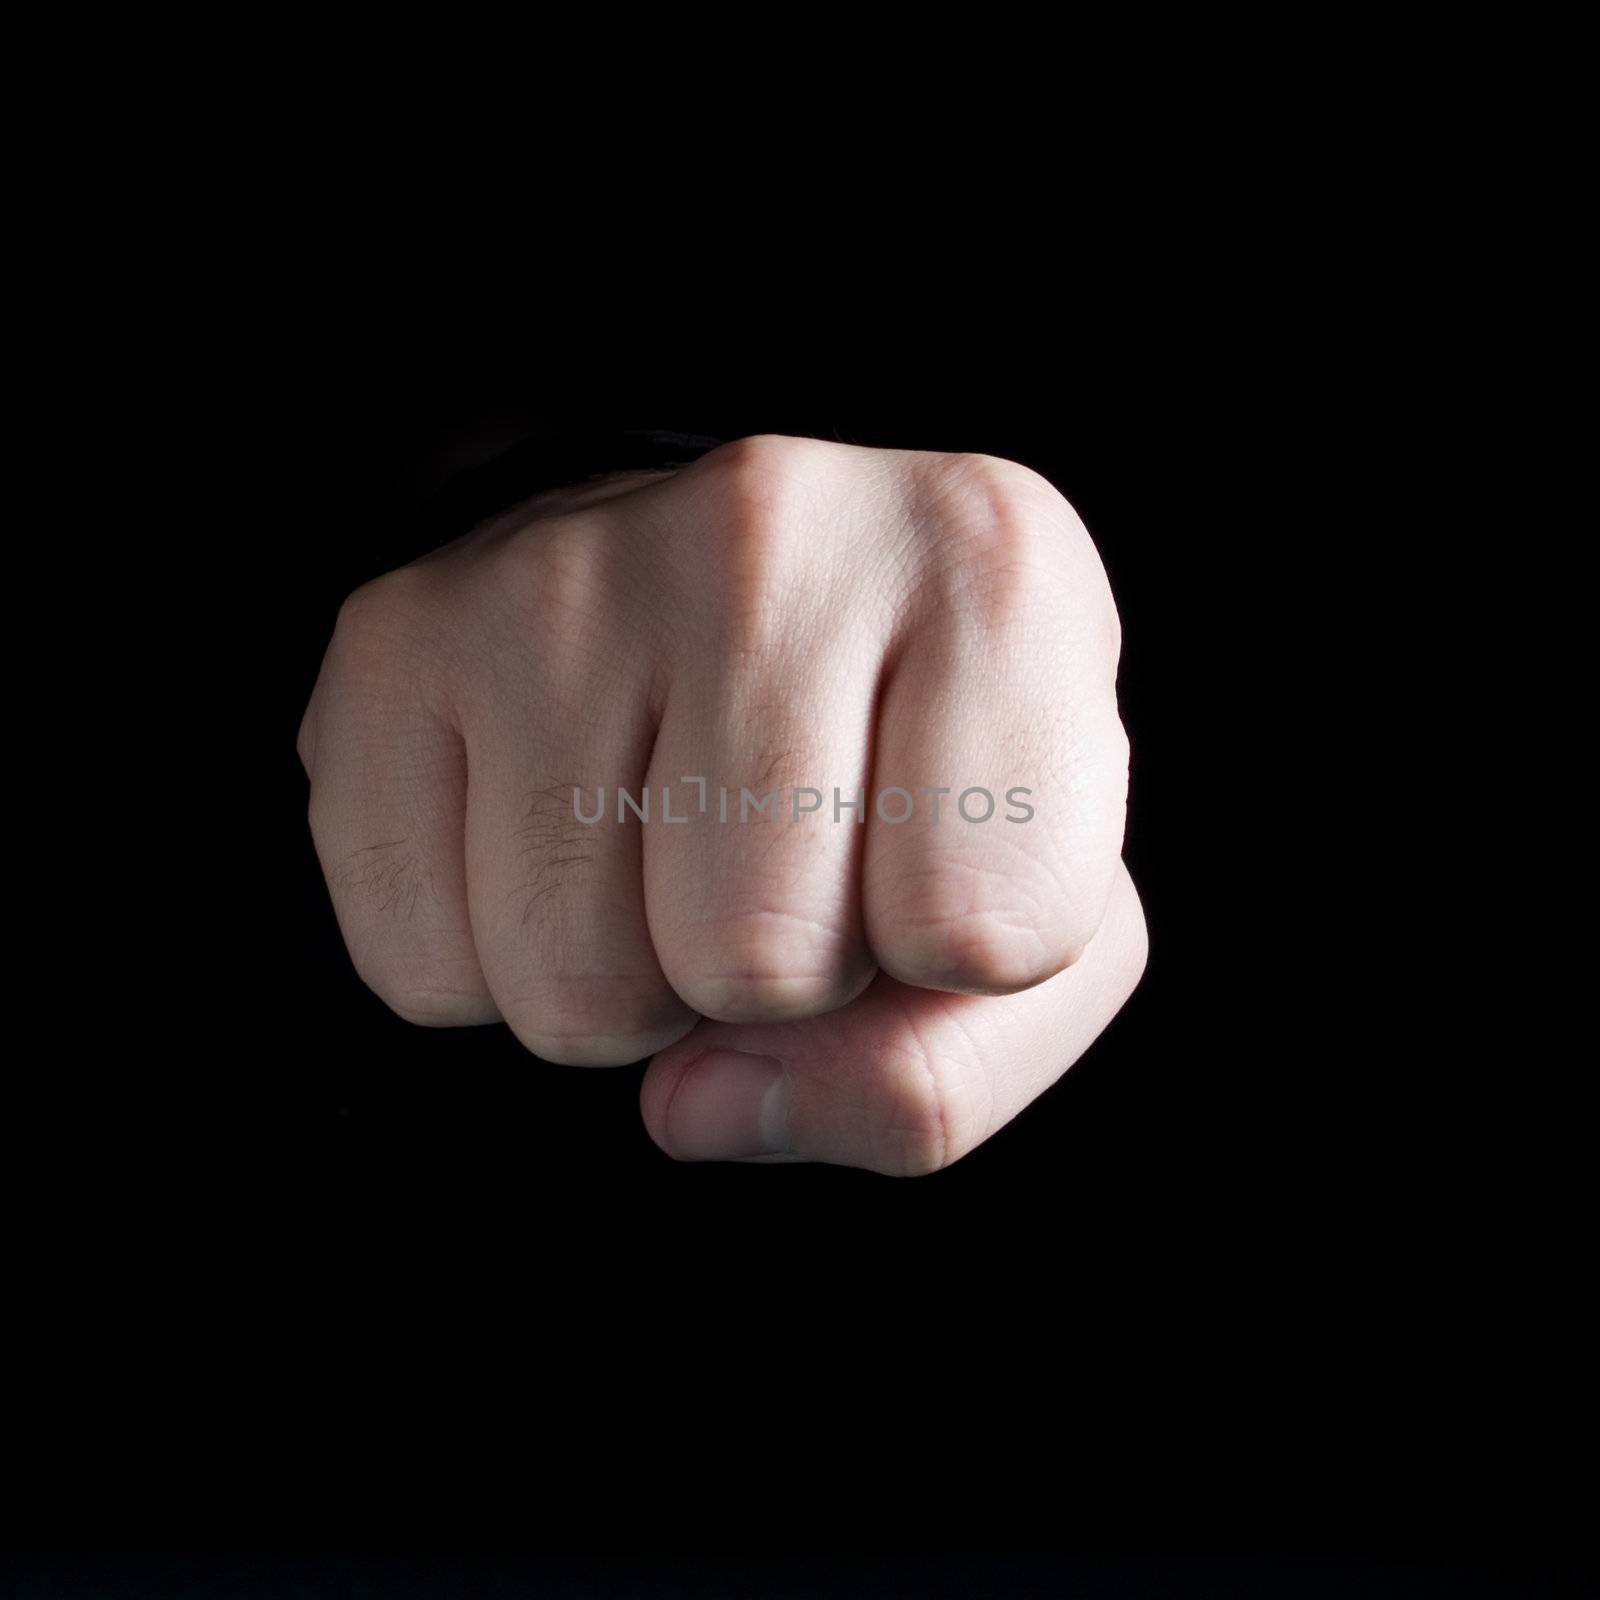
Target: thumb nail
729	1105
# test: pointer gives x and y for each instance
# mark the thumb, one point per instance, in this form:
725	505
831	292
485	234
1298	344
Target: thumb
901	1080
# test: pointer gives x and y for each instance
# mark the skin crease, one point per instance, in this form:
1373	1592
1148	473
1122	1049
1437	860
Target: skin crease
783	612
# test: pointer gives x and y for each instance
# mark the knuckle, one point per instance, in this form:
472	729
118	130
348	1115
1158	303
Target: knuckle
746	472
992	539
745	996
1119	748
383	606
772	971
562	567
598	1022
388	912
387	624
977	925
992	505
979	952
1097	757
1135	955
305	739
754	487
1130	944
1008	537
927	1106
570	598
1111	622
763	547
1007	490
429	1000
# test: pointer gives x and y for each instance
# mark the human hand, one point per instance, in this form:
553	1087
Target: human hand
926	634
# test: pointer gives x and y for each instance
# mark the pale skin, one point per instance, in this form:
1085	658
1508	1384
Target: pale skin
783	613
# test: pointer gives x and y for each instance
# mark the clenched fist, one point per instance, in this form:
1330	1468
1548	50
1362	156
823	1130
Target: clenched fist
798	769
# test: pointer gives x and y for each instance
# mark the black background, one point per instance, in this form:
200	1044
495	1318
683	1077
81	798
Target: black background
305	1280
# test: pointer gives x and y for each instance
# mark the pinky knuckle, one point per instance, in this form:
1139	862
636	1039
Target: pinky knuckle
429	1003
383	604
386	623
